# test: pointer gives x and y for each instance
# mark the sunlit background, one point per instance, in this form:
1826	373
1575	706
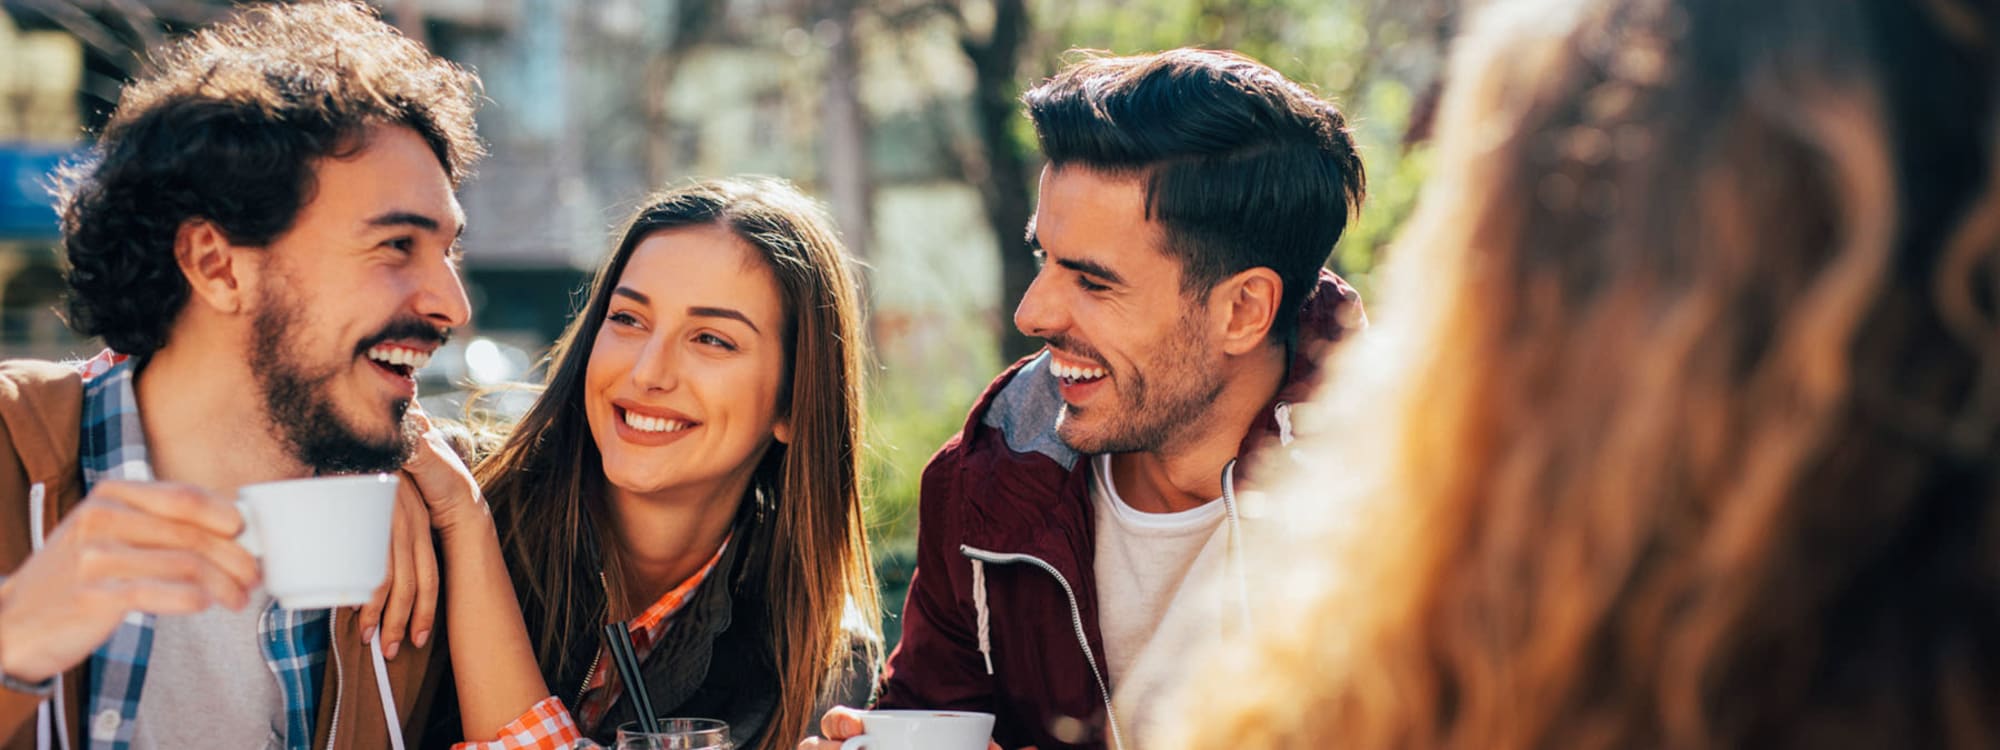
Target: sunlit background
901	115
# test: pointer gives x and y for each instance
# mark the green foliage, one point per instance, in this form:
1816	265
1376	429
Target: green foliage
1395	176
912	411
900	442
913	408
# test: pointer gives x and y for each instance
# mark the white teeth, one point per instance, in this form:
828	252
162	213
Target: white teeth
1067	372
645	423
396	355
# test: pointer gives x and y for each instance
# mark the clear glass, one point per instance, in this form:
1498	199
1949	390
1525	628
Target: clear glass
676	734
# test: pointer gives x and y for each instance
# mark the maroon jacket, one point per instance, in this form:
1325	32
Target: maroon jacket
1006	537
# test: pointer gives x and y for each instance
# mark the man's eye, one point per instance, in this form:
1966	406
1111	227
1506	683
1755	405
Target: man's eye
1084	283
402	244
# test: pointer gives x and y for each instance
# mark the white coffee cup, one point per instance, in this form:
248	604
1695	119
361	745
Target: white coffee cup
321	542
922	730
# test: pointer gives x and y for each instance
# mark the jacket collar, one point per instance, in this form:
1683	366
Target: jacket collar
1022	403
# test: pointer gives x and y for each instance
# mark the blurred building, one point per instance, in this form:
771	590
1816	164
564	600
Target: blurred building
41	72
592	105
63	62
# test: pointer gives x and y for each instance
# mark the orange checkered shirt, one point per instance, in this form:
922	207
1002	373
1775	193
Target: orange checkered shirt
549	726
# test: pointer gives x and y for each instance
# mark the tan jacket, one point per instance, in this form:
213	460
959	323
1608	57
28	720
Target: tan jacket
41	410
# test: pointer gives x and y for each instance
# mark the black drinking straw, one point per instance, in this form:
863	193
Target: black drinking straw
626	659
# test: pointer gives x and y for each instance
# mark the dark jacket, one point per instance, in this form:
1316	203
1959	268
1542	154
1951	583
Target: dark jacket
41	414
715	662
1002	611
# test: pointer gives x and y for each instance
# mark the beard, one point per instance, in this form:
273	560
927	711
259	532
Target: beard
298	401
1148	413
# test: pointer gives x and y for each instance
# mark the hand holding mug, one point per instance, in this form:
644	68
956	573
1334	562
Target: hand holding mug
157	547
407	600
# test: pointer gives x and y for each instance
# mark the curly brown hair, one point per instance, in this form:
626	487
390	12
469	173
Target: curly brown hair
226	127
1689	401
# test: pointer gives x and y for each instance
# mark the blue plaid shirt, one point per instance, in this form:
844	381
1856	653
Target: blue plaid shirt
294	642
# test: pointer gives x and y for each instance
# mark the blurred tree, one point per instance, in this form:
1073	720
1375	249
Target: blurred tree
689	24
997	157
847	176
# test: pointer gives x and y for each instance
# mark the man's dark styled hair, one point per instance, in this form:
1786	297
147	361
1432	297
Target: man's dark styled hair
1243	168
225	128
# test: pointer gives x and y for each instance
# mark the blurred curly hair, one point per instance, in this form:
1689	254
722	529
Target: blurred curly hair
225	128
1683	420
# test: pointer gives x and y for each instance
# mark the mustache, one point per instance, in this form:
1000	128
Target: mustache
407	329
1074	348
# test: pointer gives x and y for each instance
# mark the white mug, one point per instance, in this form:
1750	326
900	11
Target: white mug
321	542
922	730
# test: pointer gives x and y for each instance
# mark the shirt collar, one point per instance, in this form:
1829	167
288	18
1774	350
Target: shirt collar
114	439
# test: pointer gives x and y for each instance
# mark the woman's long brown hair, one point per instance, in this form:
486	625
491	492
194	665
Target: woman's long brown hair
806	555
1679	427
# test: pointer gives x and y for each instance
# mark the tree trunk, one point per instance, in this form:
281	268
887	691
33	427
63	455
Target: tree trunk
690	23
1003	177
847	175
849	181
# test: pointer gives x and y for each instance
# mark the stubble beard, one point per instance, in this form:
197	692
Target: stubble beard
1153	418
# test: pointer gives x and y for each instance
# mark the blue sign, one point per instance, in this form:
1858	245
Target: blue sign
27	210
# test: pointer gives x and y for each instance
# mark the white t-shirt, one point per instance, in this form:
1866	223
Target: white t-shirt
207	684
1143	562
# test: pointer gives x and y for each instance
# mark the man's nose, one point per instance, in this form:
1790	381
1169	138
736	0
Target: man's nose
441	298
1039	314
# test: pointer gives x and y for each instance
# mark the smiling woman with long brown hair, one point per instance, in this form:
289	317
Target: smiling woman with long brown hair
1690	375
691	469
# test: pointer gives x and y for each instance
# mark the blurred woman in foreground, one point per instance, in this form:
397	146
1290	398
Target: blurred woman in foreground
1691	383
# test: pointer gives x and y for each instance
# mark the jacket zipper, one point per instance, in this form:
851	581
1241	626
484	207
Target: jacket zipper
1075	618
598	655
339	676
587	676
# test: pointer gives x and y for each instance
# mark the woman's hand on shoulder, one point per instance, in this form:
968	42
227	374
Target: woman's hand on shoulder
406	603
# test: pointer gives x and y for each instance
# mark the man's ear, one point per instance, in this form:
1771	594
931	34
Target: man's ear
1246	304
213	266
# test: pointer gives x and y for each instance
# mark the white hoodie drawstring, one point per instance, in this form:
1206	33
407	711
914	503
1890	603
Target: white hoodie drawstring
49	717
388	697
1284	415
985	617
1236	542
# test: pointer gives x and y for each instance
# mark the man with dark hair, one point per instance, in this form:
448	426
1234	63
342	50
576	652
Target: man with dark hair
1190	200
266	239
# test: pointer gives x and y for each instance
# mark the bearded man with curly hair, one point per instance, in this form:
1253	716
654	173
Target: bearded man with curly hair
265	238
